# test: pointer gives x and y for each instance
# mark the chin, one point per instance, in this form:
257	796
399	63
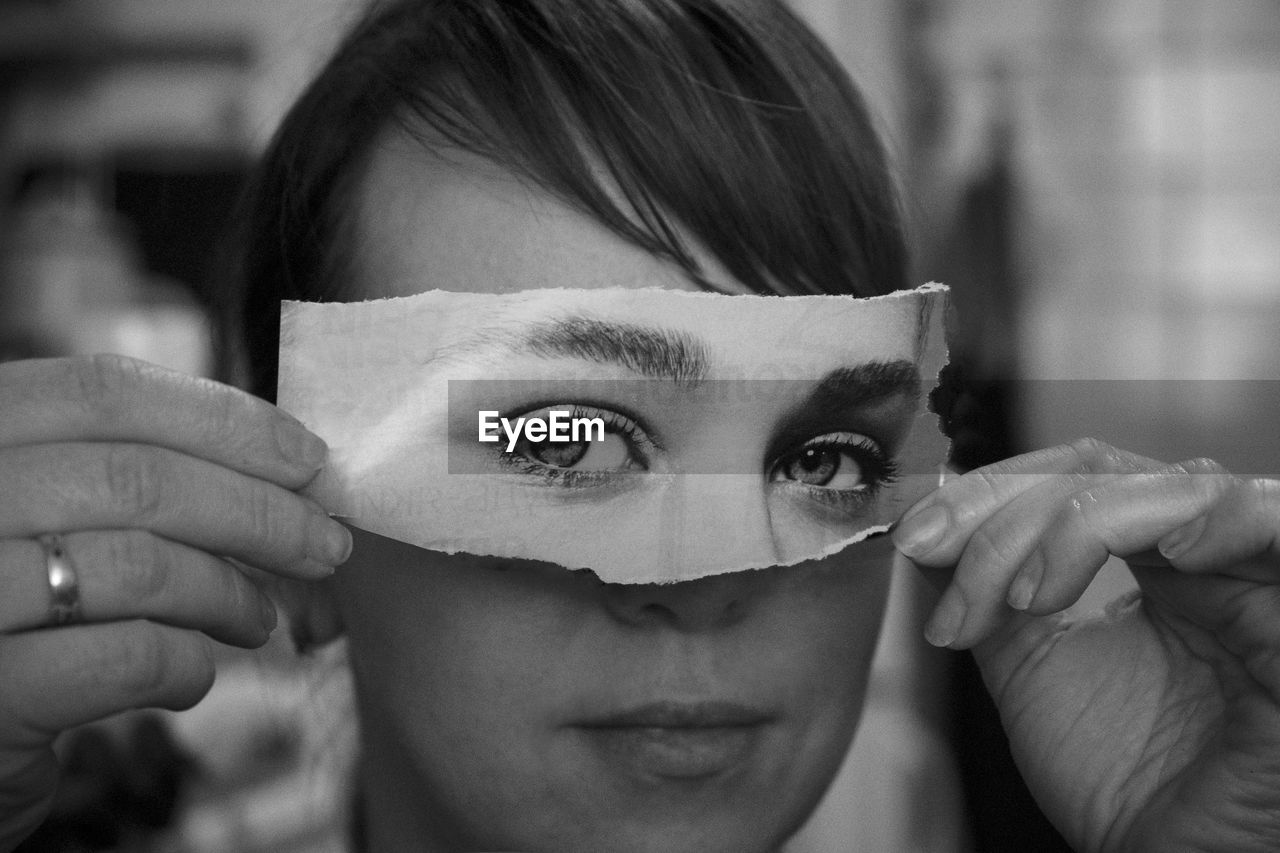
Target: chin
654	834
688	816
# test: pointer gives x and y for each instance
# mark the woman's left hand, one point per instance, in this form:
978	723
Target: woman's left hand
1152	726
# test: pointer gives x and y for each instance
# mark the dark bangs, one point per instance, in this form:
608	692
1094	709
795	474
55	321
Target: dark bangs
732	126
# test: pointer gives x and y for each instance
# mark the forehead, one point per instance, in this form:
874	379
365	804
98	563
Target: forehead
442	219
447	219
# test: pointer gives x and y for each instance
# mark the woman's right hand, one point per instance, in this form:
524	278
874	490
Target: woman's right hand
155	481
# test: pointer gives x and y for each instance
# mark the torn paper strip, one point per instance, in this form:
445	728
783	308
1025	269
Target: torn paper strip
735	432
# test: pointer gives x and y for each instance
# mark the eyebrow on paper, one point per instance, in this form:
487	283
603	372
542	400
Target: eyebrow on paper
649	351
868	383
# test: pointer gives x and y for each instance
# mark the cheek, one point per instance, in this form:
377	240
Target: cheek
452	635
824	650
827	629
459	666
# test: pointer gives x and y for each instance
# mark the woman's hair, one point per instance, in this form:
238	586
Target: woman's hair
725	123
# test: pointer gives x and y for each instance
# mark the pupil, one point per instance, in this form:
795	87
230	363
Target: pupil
815	467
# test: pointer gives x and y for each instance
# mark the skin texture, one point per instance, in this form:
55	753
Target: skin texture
474	672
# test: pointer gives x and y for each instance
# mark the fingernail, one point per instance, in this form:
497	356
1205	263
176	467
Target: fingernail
1179	542
300	446
1023	589
330	541
919	534
268	613
312	569
944	626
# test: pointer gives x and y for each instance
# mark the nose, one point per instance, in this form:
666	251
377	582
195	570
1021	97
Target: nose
698	605
717	522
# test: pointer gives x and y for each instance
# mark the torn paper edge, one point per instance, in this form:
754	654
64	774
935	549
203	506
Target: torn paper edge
936	322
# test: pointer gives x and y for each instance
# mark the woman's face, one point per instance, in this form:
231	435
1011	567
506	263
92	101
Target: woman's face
512	705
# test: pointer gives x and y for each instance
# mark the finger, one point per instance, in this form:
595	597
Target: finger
935	531
65	487
112	398
132	574
979	596
1120	517
65	677
1240	532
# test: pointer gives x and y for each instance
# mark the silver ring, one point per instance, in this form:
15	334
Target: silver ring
64	585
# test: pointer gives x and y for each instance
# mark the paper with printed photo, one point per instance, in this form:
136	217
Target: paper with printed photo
736	432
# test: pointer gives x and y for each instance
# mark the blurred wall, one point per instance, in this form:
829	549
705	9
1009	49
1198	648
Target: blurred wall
1144	138
126	129
100	73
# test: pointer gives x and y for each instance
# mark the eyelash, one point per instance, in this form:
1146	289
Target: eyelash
878	467
615	423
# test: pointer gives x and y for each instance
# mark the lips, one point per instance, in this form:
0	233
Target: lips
677	740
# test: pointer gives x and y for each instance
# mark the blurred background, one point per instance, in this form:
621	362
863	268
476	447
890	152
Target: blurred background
1099	182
